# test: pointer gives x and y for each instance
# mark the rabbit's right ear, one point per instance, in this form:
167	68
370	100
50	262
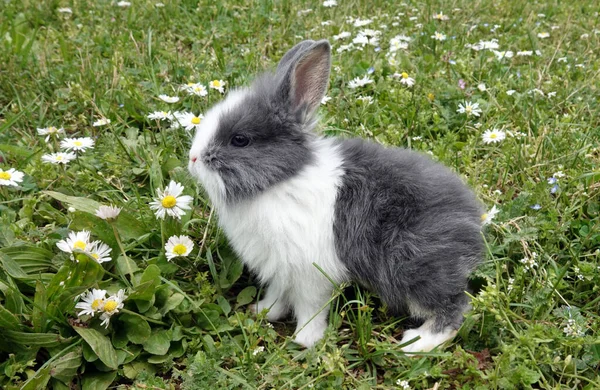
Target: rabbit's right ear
303	75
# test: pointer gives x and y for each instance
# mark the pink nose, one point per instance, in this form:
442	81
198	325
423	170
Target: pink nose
194	159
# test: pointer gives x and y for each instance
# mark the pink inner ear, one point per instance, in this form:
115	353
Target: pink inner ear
310	79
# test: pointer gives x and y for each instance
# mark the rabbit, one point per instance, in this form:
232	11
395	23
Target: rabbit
289	200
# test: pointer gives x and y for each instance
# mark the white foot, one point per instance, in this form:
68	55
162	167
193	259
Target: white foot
428	340
310	334
276	311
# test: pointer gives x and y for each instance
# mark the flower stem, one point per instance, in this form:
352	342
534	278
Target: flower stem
118	238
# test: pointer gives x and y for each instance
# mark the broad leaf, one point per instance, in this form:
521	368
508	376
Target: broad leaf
100	344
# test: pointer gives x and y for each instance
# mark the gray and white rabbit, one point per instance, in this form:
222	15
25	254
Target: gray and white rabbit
388	218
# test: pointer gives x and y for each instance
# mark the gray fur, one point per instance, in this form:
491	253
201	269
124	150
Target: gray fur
409	229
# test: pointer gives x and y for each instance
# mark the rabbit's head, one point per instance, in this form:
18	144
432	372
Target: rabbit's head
260	136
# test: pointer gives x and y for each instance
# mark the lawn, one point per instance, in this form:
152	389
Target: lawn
98	104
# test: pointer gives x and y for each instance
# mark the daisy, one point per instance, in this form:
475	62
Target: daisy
59	158
486	45
10	177
101	122
188	120
543	35
123	4
408	81
168	99
367	100
65	10
510	92
161	115
77	144
439	36
493	136
76	241
218	85
469	109
359	82
195	89
342	35
397	44
111	306
329	3
171	202
50	131
489	216
362	22
108	212
91	302
525	53
325	100
441	16
99	251
178	246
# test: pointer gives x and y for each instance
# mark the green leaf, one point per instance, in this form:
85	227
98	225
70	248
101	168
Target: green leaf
126	266
38	315
159	342
100	344
224	304
172	302
246	296
127	225
35	339
8	320
231	268
132	370
98	380
137	329
12	267
65	368
39	381
147	285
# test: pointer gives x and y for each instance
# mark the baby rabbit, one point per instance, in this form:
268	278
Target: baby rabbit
288	199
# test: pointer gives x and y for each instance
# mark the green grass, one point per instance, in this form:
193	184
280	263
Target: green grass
535	321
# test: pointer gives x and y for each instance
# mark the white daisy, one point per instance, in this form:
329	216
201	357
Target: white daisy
161	115
59	158
489	216
195	89
359	82
65	10
525	53
362	22
188	120
325	100
493	136
406	80
77	144
441	16
469	109
50	131
329	3
438	36
108	212
366	100
543	35
481	87
397	44
91	302
503	54
11	177
101	122
218	85
75	241
123	4
178	246
99	251
168	99
342	35
111	306
485	45
510	92
171	202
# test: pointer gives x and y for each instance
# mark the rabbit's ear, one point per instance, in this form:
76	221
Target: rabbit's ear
304	75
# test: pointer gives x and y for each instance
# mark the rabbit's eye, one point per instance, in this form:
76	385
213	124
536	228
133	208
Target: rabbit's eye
240	141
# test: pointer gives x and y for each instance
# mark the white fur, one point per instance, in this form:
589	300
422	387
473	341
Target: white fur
428	339
280	233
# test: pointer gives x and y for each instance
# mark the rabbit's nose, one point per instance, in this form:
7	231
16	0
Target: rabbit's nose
193	159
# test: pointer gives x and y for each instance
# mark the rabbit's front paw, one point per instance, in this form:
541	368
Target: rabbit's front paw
427	341
310	334
275	310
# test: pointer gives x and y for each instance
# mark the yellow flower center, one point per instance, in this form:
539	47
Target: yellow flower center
164	113
79	245
468	108
169	201
484	216
4	175
52	129
430	96
493	136
59	158
196	120
110	305
96	304
216	83
77	143
404	75
179	249
190	84
95	256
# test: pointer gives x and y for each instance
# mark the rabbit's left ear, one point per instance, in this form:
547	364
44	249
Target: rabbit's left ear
304	74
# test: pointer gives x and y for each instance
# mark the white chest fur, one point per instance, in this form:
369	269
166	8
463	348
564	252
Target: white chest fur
283	231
